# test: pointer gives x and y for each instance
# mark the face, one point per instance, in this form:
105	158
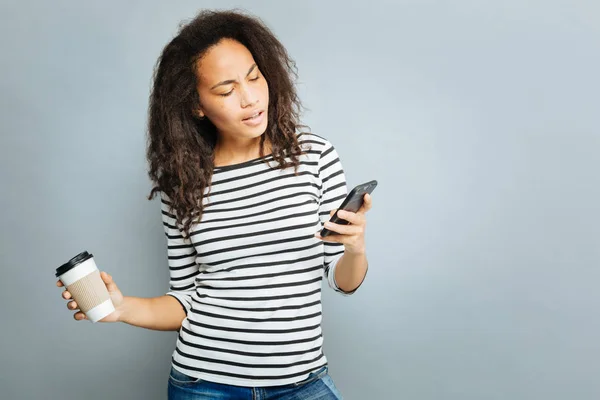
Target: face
234	94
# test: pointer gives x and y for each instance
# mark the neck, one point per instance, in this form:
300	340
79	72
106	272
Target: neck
233	151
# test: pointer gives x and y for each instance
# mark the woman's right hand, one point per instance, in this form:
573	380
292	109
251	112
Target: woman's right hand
115	295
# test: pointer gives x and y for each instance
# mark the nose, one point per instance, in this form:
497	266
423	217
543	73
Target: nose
249	96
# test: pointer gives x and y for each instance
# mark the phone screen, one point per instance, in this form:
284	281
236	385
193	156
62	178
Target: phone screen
353	202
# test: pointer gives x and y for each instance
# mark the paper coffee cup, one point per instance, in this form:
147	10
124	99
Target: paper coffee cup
82	279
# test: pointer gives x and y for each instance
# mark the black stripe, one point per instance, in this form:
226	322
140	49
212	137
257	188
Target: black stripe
290	250
182	278
268	264
259	233
168	215
269	309
297	194
261	160
250	342
180	246
244	365
251	377
181	256
178	289
339	185
281	319
281	297
262	287
249	277
329	164
170	226
314	142
326	152
261	183
317	136
269	331
339	172
193	264
264	171
248	353
262	244
265	212
263	221
268	191
244	164
287	196
333	199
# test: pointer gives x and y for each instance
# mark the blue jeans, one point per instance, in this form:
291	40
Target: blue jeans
318	386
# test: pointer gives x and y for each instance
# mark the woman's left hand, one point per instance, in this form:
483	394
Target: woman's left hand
352	235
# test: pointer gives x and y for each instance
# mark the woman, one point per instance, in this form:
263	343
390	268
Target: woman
243	196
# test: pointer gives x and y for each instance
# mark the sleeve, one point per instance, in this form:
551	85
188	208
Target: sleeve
333	192
181	256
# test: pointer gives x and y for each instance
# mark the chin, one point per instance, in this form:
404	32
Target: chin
256	131
251	133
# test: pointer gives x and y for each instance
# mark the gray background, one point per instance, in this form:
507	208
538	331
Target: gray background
479	119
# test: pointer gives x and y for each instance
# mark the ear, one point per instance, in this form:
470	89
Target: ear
199	113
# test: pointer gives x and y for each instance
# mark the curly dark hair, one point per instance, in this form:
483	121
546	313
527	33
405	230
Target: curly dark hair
181	146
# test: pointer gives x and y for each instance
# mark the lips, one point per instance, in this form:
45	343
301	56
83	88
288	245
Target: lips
254	115
255	119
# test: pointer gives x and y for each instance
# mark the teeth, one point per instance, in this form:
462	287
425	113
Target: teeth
253	117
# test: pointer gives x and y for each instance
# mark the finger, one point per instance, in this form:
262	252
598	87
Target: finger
79	316
108	280
331	238
353	218
72	305
367	204
66	295
344	229
332	212
59	283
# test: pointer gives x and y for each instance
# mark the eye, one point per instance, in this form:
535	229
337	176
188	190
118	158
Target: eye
255	79
226	94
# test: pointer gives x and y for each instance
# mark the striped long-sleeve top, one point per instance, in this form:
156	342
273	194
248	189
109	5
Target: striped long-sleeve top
249	275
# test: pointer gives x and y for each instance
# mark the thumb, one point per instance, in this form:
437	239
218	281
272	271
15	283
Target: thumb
108	280
332	212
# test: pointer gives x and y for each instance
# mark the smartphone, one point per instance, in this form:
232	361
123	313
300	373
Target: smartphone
353	202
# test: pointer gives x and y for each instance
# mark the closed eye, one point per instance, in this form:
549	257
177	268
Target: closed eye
231	91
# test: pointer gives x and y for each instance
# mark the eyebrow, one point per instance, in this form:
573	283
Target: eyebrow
230	81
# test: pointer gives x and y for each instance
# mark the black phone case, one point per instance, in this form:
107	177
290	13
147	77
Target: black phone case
353	202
